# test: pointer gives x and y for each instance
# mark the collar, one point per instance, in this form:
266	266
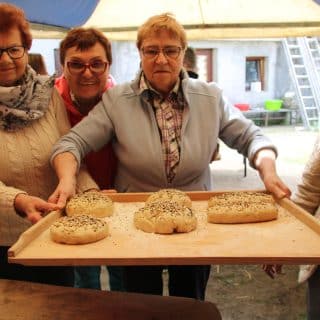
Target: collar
145	87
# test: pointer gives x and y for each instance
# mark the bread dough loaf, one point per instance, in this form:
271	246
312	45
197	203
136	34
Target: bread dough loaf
78	229
96	204
241	207
172	195
165	217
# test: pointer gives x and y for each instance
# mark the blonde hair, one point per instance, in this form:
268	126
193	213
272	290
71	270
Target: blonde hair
158	23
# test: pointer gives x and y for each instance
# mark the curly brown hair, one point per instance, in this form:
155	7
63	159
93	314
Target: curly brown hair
14	17
83	39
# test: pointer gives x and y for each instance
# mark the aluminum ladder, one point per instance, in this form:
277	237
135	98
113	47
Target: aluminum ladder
303	56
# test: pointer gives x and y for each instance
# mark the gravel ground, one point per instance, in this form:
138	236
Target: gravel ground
245	292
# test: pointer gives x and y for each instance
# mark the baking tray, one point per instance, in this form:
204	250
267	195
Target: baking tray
294	238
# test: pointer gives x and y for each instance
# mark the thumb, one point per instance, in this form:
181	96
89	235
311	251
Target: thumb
61	201
34	217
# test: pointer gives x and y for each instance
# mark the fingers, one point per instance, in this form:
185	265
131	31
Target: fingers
34	217
277	188
61	201
272	269
54	197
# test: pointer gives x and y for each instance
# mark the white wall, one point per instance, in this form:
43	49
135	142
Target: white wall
229	68
228	65
46	48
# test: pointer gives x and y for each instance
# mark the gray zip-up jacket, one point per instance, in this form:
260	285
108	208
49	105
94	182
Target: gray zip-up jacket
125	117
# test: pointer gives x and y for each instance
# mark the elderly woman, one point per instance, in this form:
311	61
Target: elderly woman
165	127
32	118
86	57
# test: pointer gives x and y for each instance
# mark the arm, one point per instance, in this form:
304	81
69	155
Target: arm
265	163
17	201
308	191
242	134
66	167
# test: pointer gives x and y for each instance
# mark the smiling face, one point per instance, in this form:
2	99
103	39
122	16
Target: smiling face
87	87
161	71
11	70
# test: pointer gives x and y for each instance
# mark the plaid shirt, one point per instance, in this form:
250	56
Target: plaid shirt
168	113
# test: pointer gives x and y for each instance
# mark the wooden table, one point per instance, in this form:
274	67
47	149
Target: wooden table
263	115
21	300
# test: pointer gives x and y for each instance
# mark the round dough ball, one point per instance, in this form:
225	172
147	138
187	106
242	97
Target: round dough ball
79	229
91	203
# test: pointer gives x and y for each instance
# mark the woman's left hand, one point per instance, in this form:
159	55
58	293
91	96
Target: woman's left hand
266	165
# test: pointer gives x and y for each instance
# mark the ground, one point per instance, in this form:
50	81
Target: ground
245	292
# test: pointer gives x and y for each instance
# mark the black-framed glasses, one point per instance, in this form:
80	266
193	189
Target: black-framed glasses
96	67
171	52
14	52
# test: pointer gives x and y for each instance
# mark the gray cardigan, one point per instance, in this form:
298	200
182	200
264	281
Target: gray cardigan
124	117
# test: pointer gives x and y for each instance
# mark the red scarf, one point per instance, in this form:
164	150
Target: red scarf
102	165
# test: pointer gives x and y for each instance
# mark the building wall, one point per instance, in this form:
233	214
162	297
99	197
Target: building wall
230	72
228	65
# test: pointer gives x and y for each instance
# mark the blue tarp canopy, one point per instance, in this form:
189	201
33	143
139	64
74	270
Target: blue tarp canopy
66	14
202	19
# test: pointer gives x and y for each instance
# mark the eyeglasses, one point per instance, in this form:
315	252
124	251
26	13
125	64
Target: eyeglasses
15	52
96	67
171	52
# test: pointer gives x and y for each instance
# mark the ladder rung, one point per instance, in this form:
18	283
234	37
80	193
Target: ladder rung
311	108
305	87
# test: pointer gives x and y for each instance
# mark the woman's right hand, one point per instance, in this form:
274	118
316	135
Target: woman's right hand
32	207
65	190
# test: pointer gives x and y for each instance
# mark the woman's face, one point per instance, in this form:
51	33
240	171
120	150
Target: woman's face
11	70
86	86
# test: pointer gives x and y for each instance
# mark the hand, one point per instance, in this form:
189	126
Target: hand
65	190
272	269
266	165
32	207
275	185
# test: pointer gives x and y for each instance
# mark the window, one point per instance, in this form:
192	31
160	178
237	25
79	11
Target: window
204	63
255	73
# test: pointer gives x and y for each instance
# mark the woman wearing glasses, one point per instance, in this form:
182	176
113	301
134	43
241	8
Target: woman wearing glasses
85	56
165	127
32	118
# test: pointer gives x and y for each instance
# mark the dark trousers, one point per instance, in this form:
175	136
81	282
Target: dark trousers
62	276
313	296
89	277
184	281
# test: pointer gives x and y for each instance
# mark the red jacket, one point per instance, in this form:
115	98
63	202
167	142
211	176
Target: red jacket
102	165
